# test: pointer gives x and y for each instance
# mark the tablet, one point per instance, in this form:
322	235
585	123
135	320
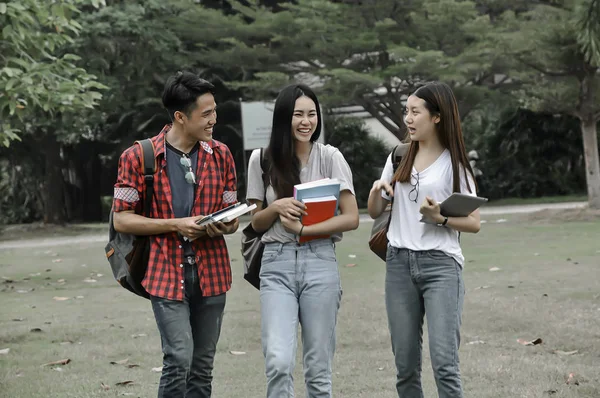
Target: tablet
461	205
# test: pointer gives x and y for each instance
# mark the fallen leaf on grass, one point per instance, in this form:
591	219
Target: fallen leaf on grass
58	369
61	362
36	274
104	387
532	342
131	366
4	351
550	392
380	369
501	220
48	270
89	280
57	260
36	330
350	265
494	269
22	291
57	298
121	362
125	383
18	319
482	287
572	379
126	394
352	255
476	342
135	336
237	352
157	370
61	281
565	353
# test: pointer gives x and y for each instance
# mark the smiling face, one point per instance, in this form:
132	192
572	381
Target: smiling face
304	119
420	122
200	121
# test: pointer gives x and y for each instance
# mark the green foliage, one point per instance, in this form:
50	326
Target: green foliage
36	75
365	154
525	154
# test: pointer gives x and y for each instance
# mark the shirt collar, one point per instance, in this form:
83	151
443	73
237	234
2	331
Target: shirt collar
162	137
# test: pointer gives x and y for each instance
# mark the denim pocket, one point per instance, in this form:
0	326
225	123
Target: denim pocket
325	252
270	255
438	255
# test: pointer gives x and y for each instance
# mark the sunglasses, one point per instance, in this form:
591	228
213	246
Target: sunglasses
413	194
186	162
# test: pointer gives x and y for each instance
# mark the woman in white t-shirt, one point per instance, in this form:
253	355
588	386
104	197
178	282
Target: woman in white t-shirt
299	283
424	259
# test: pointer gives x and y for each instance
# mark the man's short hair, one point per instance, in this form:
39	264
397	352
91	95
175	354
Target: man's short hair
181	92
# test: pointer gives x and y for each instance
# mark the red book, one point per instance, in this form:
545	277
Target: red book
318	209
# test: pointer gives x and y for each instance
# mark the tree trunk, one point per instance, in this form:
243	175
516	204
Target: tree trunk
54	197
592	162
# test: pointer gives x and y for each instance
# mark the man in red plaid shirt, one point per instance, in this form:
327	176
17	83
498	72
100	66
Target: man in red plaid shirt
188	271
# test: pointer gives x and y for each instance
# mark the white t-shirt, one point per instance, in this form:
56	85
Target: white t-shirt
323	161
406	230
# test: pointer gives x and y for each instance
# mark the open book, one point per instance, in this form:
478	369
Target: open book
227	214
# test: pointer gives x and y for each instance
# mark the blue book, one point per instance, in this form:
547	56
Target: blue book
317	189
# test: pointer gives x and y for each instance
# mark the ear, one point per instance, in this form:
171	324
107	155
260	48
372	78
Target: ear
179	117
436	119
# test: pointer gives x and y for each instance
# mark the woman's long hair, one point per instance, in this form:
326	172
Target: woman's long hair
284	170
439	100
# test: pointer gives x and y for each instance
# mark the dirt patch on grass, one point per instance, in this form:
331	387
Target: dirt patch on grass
564	215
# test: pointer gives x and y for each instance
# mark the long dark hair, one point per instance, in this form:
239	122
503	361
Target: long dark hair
440	101
284	164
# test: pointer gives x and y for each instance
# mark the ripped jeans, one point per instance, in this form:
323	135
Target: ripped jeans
189	332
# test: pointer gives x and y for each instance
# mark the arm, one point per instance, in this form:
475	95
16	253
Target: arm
129	190
262	219
377	203
229	198
347	220
377	198
130	223
469	224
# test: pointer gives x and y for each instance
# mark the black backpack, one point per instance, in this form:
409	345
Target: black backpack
128	254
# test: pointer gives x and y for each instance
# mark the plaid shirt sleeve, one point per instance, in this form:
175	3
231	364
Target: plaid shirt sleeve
129	185
230	191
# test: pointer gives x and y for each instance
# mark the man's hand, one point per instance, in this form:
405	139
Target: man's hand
290	208
378	185
218	228
188	228
292	226
431	210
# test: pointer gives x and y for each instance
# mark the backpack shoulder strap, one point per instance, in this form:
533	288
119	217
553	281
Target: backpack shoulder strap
264	167
149	168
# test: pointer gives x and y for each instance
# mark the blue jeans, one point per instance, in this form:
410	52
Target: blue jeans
189	332
299	284
429	283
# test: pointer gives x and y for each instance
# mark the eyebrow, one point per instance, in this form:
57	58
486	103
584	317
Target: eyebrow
302	110
209	110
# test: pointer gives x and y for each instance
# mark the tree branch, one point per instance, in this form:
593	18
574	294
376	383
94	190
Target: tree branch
542	70
373	111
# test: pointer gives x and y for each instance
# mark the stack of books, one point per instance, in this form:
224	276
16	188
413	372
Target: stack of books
321	199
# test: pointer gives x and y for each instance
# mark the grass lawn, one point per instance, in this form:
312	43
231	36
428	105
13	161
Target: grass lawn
547	286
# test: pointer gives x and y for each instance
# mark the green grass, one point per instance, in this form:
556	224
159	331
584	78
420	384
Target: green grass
548	286
540	200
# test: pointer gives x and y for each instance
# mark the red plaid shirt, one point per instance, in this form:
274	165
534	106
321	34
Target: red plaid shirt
216	189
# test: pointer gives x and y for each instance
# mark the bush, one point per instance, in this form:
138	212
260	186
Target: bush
365	154
525	154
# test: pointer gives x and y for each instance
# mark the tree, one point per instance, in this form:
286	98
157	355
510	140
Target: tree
370	53
35	75
556	49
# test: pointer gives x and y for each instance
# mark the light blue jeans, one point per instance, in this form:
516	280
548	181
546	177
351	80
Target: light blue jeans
429	283
299	284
